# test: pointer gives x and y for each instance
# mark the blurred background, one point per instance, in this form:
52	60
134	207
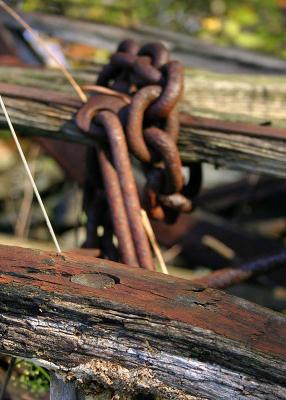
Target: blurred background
241	226
252	24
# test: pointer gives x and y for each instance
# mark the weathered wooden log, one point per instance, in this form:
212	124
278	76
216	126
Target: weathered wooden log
192	51
231	97
106	325
51	115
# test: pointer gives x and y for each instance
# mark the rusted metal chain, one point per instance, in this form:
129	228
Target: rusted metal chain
120	185
117	209
101	177
152	122
146	113
122	163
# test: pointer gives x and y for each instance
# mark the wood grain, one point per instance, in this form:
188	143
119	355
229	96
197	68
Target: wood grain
132	331
51	114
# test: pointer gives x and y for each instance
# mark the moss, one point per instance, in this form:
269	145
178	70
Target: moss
31	377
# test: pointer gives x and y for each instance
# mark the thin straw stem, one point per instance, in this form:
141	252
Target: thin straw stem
30	176
37	37
150	233
83	97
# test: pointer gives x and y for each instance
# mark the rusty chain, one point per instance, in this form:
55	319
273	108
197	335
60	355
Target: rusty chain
145	121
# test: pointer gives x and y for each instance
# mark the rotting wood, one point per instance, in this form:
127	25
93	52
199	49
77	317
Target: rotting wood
51	116
100	323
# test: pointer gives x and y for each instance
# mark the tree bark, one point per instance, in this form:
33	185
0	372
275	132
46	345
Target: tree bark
106	325
51	114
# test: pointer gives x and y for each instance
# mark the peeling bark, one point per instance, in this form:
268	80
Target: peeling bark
106	326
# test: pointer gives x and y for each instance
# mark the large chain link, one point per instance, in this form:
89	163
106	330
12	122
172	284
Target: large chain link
152	123
147	118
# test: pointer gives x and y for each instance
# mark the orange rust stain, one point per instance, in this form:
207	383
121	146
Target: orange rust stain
4	279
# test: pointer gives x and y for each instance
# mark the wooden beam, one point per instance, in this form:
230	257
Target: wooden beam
105	324
51	114
191	51
230	97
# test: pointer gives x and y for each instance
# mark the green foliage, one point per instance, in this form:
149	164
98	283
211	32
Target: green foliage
254	24
258	25
32	378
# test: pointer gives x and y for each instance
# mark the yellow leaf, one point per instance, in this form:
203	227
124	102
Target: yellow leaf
212	24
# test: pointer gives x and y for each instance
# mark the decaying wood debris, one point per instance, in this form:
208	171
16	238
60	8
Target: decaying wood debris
102	325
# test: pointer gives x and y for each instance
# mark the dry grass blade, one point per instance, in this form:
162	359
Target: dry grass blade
83	97
27	168
154	243
37	37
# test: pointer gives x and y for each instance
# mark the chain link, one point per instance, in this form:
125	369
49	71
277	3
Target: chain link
147	121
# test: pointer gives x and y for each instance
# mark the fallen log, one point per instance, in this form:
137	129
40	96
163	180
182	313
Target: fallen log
47	108
106	325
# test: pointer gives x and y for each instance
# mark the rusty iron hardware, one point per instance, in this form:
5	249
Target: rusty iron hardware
117	186
226	277
146	119
117	209
118	179
242	128
155	85
128	188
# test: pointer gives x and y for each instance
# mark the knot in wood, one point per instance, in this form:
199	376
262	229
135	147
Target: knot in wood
95	280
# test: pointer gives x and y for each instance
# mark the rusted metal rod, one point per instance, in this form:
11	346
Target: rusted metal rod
242	128
226	277
127	184
117	209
